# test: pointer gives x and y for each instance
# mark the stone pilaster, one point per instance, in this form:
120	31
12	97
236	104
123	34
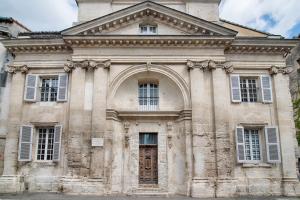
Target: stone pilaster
286	128
14	119
99	115
223	151
76	111
202	142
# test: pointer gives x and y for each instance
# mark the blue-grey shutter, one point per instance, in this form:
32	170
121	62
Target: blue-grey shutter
240	144
62	92
57	142
25	143
266	89
31	87
272	144
235	88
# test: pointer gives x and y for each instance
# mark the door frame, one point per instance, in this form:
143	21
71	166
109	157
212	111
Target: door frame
156	156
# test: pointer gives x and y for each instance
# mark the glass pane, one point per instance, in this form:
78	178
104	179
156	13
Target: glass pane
255	145
247	145
148	138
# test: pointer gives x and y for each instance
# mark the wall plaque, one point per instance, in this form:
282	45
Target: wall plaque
97	142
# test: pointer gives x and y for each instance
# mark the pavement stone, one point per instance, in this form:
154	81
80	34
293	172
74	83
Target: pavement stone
56	196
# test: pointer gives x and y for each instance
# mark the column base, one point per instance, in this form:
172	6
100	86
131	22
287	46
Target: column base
11	184
291	187
16	184
203	188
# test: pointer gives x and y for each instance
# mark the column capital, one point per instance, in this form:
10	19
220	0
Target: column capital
12	69
210	65
273	70
86	64
204	65
228	67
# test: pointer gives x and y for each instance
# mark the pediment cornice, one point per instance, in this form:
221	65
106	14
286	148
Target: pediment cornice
149	11
147	41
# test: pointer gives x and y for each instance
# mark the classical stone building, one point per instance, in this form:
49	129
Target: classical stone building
146	97
9	28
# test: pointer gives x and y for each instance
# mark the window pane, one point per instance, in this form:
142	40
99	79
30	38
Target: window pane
247	145
41	144
49	89
252	144
252	90
244	93
255	145
148	138
248	90
45	144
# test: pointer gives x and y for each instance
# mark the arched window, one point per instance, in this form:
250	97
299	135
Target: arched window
148	96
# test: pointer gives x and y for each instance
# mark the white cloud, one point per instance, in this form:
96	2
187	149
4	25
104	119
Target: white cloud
41	15
285	14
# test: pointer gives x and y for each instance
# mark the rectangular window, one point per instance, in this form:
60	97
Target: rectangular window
252	144
249	89
148	97
45	144
49	87
148	29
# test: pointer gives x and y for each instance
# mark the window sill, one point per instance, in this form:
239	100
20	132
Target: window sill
256	165
45	163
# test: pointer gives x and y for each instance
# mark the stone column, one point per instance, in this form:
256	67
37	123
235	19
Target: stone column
76	110
203	156
223	152
286	128
99	115
14	119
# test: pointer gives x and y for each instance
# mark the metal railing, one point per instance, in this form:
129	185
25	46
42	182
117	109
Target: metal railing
148	103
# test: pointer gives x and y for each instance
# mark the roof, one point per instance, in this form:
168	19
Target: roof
10	20
246	27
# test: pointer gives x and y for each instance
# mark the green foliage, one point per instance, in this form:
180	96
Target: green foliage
296	106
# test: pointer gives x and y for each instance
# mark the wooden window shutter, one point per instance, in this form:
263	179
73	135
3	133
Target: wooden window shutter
272	144
31	87
62	92
57	142
240	144
266	89
235	88
25	143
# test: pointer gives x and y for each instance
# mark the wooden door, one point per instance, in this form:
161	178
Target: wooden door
148	173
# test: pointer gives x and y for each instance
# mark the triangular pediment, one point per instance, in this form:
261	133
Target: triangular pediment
172	22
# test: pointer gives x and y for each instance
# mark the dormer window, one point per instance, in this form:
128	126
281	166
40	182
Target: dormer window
148	29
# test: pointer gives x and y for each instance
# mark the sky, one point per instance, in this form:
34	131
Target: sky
280	17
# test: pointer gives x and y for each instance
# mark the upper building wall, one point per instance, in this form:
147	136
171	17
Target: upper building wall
91	9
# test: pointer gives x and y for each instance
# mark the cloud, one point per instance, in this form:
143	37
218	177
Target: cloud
274	16
41	15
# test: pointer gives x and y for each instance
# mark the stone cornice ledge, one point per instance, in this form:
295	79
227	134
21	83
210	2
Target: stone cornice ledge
262	45
146	41
117	115
29	45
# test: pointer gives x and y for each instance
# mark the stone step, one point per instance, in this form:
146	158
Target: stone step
151	194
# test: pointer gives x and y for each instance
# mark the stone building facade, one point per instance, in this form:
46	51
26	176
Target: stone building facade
9	28
143	97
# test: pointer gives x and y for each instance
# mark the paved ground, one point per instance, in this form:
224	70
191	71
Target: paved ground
53	196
